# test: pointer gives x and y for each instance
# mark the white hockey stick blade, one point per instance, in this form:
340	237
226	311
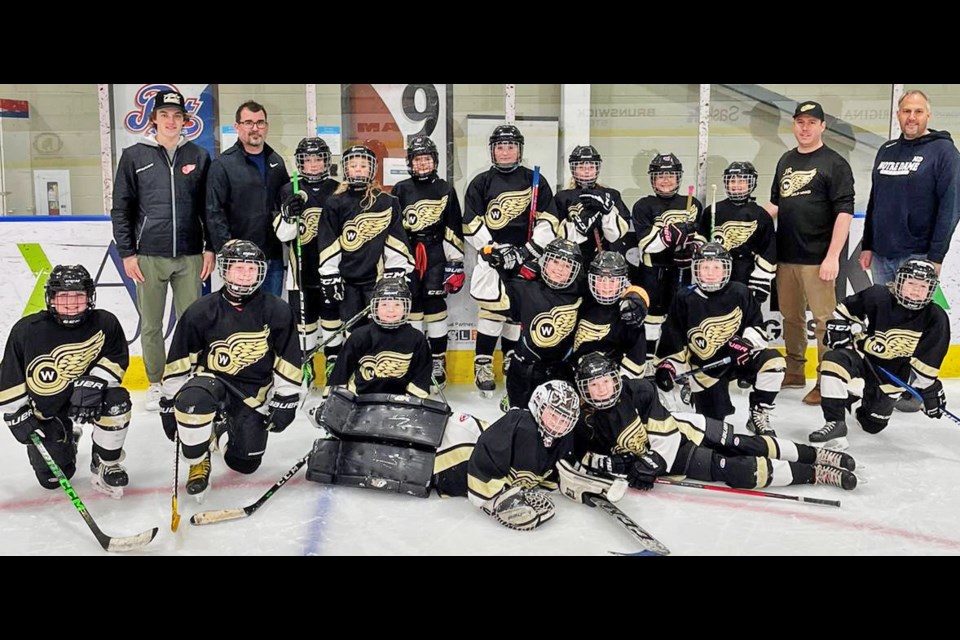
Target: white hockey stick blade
221	515
131	543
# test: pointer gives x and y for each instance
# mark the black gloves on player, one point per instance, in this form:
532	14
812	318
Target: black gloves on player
633	306
292	207
453	277
760	288
674	236
332	288
740	350
934	400
665	375
595	200
643	473
502	256
167	418
283	409
585	221
838	334
86	401
23	422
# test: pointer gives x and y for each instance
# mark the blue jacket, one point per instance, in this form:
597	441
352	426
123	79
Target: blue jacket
914	201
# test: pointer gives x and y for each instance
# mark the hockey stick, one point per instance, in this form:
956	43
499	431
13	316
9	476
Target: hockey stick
648	542
344	328
222	515
305	367
109	543
174	507
747	492
533	201
713	365
713	212
913	392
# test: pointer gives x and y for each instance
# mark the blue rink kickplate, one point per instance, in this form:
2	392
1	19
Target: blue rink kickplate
645	552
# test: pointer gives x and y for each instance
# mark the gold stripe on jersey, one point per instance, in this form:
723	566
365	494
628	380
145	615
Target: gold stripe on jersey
453	239
309	224
631	366
505	208
633	438
413	389
765	265
488	489
589	332
423	213
843	311
400	247
662	427
435	317
194	419
179	367
711	334
893	343
891	389
238	351
551	219
921	367
111	367
793	181
763	472
386	364
773	450
471	228
548	329
833	368
13	393
287	371
364	228
113	422
49	374
689	429
329	252
331	325
527	479
734	233
452	457
261	397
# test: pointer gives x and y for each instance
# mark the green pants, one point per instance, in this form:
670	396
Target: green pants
183	276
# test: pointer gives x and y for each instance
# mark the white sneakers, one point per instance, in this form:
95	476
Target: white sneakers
153	397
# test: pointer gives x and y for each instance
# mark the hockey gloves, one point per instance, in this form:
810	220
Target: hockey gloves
760	288
643	473
634	305
596	201
22	423
167	418
934	400
520	509
453	277
740	350
332	288
674	236
838	334
86	401
292	207
665	375
502	256
283	409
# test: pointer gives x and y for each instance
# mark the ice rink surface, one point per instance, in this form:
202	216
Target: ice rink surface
907	503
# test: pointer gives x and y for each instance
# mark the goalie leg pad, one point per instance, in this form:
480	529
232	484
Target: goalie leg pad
372	465
402	419
577	483
322	463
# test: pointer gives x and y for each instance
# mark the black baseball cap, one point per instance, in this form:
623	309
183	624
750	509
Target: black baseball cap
809	108
169	98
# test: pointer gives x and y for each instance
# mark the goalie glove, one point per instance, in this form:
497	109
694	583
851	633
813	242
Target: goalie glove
576	483
520	509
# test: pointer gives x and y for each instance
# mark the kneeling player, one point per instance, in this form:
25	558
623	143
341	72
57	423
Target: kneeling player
231	348
708	321
630	433
64	363
904	334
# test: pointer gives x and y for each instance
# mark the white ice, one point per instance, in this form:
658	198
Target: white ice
906	503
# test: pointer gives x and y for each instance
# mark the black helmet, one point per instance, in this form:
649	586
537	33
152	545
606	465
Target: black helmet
738	171
72	277
313	147
506	133
711	251
236	252
593	366
421	145
565	251
915	269
359	151
585	154
608	264
665	164
391	289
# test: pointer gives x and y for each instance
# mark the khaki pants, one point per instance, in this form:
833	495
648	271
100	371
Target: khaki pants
800	286
183	275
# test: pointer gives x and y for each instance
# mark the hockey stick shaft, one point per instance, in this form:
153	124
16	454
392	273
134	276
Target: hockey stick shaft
344	328
913	392
707	367
713	213
640	534
533	201
222	515
301	294
174	507
109	543
747	492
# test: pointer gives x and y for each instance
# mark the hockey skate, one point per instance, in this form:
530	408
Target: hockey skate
198	480
439	372
834	476
109	477
832	435
759	421
483	376
835	459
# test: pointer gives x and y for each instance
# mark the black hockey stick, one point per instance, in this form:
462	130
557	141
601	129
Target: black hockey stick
648	542
913	392
345	327
109	543
713	365
307	370
222	515
748	492
174	508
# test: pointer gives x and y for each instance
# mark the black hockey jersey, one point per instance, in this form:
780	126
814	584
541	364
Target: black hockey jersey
699	325
360	240
746	231
317	194
611	230
600	328
653	213
511	452
547	316
898	338
43	358
497	209
378	360
431	214
254	347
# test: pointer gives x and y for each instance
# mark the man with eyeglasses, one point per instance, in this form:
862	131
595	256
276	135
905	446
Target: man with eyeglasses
244	186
